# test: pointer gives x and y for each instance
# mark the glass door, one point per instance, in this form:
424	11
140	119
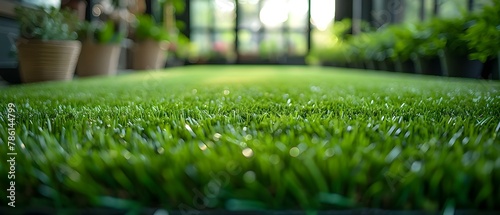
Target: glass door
272	29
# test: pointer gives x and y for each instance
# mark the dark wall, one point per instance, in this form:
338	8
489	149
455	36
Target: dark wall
343	9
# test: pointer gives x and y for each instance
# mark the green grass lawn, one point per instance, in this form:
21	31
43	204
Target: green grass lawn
253	138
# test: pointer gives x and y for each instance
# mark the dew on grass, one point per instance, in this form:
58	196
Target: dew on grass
274	159
393	154
248	137
424	147
190	130
294	152
217	136
315	89
349	128
465	140
302	147
210	144
416	166
247	152
127	155
407	134
329	152
243	144
398	132
202	146
160	150
281	146
249	177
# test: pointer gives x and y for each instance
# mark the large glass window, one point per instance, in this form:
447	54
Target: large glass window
286	27
212	27
257	27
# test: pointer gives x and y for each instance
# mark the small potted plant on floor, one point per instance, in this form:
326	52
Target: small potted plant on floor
150	44
48	48
100	49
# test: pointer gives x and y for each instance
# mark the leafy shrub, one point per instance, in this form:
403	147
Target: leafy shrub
452	31
100	32
483	38
427	40
47	23
146	28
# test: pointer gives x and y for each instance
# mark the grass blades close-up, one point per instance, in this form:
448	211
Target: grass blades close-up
239	138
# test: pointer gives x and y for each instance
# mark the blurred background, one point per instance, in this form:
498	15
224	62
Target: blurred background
257	31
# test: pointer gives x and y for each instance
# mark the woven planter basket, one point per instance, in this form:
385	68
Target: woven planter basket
148	54
47	60
98	59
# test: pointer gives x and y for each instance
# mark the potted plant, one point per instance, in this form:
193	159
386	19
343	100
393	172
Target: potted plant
455	52
100	49
377	47
428	45
47	47
150	44
404	44
483	39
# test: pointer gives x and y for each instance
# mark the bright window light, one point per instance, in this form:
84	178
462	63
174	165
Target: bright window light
274	13
225	5
322	13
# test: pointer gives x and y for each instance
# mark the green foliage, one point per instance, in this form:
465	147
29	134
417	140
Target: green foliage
47	23
485	39
427	39
146	28
335	48
342	29
179	5
100	32
484	36
376	45
452	31
404	43
255	138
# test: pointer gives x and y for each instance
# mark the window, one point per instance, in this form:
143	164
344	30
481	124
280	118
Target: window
212	27
264	28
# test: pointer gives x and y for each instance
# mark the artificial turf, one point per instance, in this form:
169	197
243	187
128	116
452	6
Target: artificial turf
255	138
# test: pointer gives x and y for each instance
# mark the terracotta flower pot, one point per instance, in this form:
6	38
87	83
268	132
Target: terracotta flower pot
148	54
98	59
47	60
